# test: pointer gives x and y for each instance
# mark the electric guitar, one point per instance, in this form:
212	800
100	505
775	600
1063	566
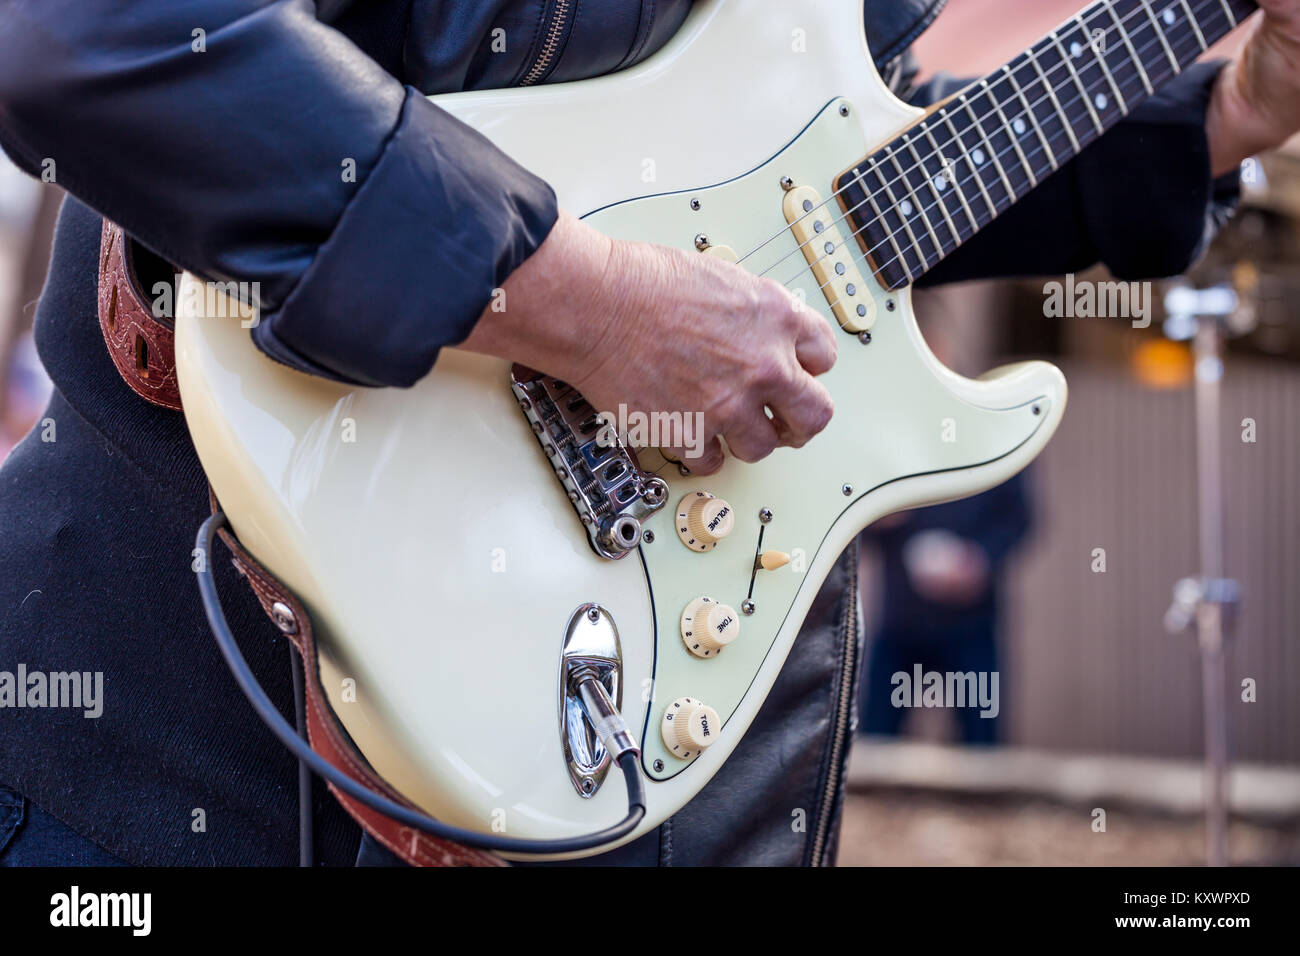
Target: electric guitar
466	546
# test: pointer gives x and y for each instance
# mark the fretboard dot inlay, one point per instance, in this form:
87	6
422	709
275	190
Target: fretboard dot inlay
1001	136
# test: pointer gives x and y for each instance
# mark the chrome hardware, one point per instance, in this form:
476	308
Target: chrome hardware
847	490
695	204
701	241
599	473
284	618
787	183
747	606
591	653
765	515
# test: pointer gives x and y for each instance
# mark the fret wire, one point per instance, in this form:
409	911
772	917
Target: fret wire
884	223
1123	34
993	153
1196	27
1078	82
1011	133
1105	67
975	172
1121	102
1065	119
920	206
956	186
934	190
1066	61
1227	10
1029	112
1160	35
907	226
983	136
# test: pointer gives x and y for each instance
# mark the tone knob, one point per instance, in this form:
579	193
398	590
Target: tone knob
708	627
703	520
689	727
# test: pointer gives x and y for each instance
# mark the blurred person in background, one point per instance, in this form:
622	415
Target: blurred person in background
942	569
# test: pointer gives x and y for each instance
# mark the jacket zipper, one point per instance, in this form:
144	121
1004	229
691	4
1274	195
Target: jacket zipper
550	43
844	705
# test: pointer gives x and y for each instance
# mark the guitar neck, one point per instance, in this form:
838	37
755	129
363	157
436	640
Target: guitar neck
966	162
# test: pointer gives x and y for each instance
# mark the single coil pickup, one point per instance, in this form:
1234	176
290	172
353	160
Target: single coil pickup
813	224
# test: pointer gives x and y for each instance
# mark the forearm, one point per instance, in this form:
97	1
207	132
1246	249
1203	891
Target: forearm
269	149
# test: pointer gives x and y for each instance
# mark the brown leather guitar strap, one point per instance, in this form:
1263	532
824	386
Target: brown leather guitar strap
144	352
143	346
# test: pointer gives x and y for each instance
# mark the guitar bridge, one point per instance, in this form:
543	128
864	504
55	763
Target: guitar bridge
600	474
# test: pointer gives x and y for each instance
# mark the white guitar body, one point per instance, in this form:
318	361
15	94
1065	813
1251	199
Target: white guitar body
427	532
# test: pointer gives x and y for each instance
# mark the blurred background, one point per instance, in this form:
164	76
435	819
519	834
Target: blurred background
1100	707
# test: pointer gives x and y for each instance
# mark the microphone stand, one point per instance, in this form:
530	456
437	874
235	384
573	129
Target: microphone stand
1209	601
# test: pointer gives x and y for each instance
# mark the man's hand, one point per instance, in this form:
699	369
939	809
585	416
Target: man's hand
661	330
1256	101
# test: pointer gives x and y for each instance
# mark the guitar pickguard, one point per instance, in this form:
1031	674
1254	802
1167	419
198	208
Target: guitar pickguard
895	418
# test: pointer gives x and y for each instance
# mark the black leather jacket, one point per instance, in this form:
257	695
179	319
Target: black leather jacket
214	132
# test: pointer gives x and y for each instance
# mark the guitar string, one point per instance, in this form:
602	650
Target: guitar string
898	237
891	235
1031	59
1031	55
1078	20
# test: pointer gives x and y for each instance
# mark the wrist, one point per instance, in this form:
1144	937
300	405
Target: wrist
1230	127
546	312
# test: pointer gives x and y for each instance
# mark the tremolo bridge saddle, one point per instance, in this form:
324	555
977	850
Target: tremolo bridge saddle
600	474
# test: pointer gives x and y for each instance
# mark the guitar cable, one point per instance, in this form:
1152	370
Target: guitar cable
609	725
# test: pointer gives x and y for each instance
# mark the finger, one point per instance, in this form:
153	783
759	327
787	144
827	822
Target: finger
815	347
703	459
753	438
802	411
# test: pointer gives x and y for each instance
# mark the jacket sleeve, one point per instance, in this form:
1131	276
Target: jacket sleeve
246	140
1140	199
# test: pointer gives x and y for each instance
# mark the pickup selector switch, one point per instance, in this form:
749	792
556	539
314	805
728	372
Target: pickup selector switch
703	520
689	727
708	627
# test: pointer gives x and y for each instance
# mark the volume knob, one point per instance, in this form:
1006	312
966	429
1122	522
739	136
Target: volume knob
689	727
703	520
708	627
